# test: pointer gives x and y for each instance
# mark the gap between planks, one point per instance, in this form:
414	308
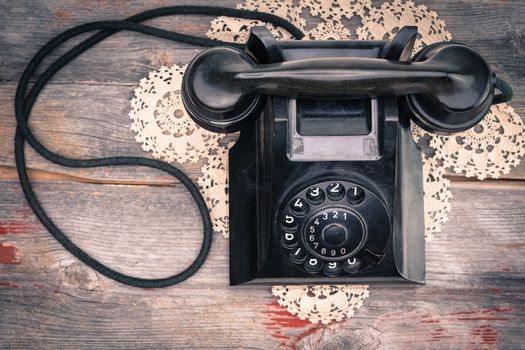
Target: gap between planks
10	82
10	173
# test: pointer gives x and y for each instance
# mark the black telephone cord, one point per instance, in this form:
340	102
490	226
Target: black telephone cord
24	105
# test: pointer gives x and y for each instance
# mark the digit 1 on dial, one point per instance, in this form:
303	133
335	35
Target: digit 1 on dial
355	195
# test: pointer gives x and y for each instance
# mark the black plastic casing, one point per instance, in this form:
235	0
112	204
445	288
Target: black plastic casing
261	176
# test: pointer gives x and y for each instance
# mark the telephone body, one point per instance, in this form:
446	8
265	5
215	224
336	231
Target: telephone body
325	180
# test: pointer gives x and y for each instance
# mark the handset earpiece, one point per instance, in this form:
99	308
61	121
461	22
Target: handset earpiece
213	97
464	100
448	86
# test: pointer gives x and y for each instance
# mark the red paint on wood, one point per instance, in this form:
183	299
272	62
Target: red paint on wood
430	321
281	317
506	268
15	285
460	313
496	309
279	336
15	227
439	334
483	319
26	214
9	254
24	222
490	311
483	333
486	334
7	284
281	323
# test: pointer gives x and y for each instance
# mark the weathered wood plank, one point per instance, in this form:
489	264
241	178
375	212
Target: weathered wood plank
474	294
122	58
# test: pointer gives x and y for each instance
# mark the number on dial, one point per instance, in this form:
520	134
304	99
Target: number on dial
299	206
335	191
289	222
315	195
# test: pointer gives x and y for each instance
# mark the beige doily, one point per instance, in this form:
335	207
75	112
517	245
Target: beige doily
437	196
322	303
330	13
489	149
385	21
214	183
238	29
165	130
330	30
335	10
162	125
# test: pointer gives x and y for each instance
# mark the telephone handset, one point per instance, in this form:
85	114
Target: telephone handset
325	178
448	86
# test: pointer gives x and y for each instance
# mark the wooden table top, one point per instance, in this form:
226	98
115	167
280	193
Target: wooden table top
142	222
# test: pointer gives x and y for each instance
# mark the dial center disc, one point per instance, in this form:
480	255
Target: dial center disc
335	234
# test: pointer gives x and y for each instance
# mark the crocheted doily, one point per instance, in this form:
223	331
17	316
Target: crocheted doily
164	128
489	149
322	303
437	195
330	15
385	21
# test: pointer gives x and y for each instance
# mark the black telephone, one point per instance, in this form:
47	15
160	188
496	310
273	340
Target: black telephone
325	178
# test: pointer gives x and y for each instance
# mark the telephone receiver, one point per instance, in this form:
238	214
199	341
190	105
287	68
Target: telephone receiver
447	86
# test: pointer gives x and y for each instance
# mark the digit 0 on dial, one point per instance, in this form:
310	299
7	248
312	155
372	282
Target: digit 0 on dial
334	233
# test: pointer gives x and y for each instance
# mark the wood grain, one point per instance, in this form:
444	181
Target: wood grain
142	222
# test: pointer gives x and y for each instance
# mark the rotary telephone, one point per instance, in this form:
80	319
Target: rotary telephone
325	180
